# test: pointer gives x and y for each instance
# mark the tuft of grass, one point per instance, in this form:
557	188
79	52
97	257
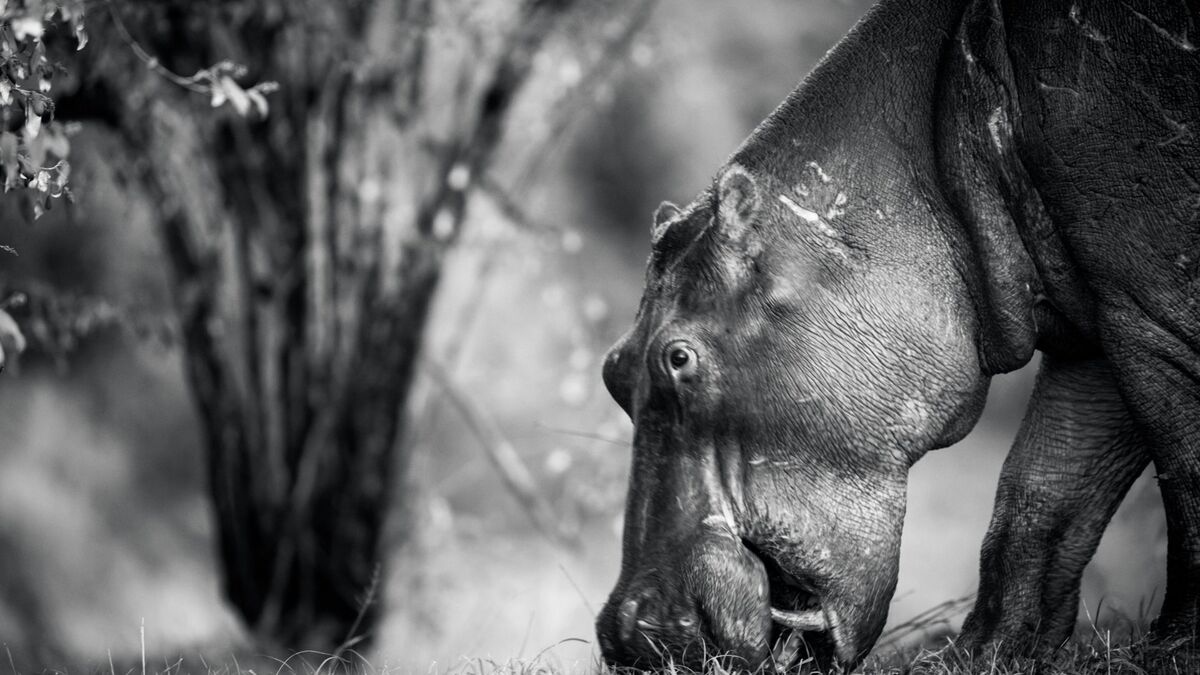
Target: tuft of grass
925	645
1097	655
1117	645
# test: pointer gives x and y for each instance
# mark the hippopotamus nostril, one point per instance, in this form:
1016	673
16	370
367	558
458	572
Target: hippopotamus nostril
706	596
618	376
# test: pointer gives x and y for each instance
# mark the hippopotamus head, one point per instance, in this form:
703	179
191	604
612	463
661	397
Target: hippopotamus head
782	376
807	331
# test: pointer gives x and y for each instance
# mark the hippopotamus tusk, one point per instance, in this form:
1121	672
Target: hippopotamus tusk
810	620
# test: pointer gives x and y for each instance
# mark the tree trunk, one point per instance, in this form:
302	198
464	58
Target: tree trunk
305	249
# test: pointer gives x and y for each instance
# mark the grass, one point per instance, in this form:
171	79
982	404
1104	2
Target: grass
923	645
1097	655
1116	645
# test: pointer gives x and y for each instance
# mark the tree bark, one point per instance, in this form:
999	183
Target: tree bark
304	251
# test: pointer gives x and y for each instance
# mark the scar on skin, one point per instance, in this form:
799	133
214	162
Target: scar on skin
810	217
998	128
837	208
1180	41
1181	131
820	172
1089	31
966	50
1050	87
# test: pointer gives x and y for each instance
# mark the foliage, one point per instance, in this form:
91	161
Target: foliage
33	145
12	342
1093	651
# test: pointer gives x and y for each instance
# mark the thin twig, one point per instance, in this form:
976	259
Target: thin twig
504	458
150	60
624	443
602	70
937	615
510	207
369	599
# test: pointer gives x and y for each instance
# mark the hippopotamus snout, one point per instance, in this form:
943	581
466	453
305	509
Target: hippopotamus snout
688	604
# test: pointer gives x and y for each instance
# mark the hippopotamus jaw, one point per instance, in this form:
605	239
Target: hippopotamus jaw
804	627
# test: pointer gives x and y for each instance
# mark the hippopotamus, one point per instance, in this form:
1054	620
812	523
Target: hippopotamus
958	185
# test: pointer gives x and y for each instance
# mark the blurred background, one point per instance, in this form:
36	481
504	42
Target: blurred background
474	178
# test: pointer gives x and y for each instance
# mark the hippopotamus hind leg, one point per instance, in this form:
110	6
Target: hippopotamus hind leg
1156	356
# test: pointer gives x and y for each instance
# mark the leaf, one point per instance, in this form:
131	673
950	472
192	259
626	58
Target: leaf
8	46
8	160
33	124
58	182
41	204
27	27
54	140
75	19
37	57
259	101
234	93
12	342
6	97
258	95
41	181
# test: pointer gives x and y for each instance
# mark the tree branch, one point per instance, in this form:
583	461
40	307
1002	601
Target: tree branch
566	110
503	456
473	153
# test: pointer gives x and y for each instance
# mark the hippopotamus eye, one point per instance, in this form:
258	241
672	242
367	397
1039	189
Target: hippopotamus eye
681	360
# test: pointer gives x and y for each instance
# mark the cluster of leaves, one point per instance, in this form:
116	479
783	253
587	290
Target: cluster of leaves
221	83
12	341
33	145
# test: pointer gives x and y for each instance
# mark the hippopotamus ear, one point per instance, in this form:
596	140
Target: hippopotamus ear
665	213
737	200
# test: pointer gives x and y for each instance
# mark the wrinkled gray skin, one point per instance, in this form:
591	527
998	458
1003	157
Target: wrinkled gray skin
957	185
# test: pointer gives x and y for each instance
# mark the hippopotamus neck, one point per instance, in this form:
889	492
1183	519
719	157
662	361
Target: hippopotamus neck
929	119
892	96
1025	288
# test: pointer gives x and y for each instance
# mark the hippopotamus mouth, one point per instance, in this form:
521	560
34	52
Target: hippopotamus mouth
802	635
722	598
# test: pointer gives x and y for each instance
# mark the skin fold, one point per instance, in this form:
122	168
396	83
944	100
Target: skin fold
919	215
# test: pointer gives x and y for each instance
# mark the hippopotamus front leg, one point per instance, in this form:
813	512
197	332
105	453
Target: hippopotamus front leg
1073	460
